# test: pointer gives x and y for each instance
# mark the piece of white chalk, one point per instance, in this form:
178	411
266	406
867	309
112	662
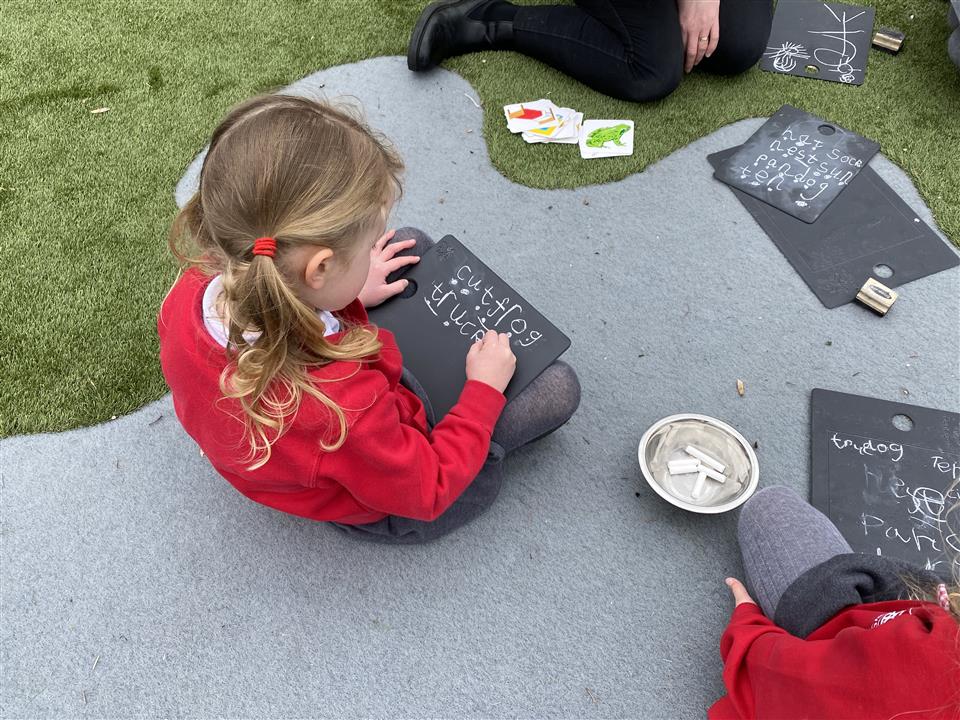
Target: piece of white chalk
712	474
699	485
683	467
704	458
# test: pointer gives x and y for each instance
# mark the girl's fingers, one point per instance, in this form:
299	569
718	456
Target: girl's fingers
393	248
399	262
740	594
384	239
391	289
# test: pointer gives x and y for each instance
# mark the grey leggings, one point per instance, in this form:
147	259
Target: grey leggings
781	536
539	409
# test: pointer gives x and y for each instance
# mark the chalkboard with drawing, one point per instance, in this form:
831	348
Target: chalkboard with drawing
868	231
797	162
886	474
453	299
827	41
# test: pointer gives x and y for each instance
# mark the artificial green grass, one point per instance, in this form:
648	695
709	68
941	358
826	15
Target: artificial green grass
85	199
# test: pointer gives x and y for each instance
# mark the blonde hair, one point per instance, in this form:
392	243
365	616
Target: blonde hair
304	173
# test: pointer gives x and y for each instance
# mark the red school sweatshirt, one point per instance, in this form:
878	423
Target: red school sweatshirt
880	660
390	463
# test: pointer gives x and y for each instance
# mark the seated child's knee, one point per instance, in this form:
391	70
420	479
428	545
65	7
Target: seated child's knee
566	386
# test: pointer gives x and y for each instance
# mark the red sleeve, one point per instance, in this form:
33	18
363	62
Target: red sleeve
903	667
397	469
747	626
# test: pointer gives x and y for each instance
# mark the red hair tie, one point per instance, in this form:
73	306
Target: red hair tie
265	246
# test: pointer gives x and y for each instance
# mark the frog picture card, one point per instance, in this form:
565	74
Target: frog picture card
606	138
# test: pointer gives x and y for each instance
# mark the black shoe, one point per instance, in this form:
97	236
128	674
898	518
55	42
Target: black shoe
445	28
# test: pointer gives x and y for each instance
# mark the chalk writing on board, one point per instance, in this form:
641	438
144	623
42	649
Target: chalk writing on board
867	446
839	60
785	57
795	159
900	507
467	305
941	464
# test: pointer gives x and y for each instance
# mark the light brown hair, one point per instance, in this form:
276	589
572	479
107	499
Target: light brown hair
303	172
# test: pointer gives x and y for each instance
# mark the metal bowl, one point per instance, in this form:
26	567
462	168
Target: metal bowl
666	440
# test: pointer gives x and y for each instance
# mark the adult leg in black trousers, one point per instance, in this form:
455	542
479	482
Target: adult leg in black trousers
630	49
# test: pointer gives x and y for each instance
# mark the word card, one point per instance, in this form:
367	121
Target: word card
797	162
868	232
823	40
885	473
453	299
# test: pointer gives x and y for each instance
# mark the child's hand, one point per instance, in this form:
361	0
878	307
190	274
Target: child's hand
382	263
740	594
491	361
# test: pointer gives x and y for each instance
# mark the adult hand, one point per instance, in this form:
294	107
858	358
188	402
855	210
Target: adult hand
699	28
740	594
491	361
383	262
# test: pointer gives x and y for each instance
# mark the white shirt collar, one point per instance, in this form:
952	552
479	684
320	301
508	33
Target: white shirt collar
218	331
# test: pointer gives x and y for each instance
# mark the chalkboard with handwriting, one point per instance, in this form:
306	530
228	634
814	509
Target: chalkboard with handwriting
868	231
797	162
452	300
823	40
886	474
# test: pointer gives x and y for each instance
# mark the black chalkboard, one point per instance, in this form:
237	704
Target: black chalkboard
797	162
889	490
868	231
453	299
827	41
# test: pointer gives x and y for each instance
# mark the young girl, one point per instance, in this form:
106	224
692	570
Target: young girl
834	635
274	369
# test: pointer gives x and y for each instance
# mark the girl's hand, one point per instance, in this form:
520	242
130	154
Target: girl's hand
740	594
383	262
699	28
491	361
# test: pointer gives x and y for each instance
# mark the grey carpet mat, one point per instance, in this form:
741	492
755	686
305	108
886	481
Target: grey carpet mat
135	581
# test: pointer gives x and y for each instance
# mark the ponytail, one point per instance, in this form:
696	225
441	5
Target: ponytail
282	172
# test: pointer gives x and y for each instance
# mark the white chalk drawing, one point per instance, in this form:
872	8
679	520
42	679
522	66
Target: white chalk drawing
841	60
900	508
785	57
837	58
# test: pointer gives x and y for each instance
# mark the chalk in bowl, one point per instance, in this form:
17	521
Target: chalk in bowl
698	463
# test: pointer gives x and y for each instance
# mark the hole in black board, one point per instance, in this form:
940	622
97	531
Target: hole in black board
812	69
826	130
882	271
902	422
410	290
